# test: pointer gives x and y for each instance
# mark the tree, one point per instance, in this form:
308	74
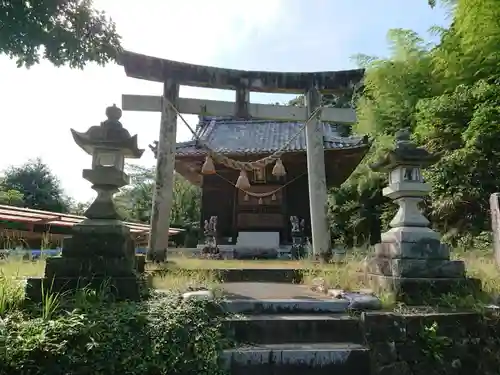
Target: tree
433	3
392	88
39	187
64	32
10	197
134	202
448	95
346	99
78	208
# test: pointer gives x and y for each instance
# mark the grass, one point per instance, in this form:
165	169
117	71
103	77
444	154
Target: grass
189	273
193	263
185	279
482	266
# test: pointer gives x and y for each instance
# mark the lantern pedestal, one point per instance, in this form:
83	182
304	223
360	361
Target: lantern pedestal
423	291
105	181
410	260
100	254
412	263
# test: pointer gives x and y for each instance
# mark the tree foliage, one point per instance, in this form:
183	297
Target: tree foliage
37	185
135	201
10	197
78	208
448	95
64	32
344	100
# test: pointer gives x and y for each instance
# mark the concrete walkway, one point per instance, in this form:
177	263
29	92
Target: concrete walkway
250	290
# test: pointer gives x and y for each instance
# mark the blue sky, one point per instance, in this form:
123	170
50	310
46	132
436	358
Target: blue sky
41	104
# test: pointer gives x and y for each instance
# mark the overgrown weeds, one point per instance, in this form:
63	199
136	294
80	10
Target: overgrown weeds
479	264
184	279
343	274
88	332
162	335
11	294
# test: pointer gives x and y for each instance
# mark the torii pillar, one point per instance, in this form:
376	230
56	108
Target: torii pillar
164	181
317	178
173	73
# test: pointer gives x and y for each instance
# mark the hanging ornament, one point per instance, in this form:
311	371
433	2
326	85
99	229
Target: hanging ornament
279	169
261	201
208	166
273	197
242	182
246	198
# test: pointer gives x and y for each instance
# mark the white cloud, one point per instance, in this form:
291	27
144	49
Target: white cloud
188	30
41	104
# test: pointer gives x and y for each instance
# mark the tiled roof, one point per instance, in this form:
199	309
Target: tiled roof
231	136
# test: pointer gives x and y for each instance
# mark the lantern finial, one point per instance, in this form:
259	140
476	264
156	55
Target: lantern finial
113	113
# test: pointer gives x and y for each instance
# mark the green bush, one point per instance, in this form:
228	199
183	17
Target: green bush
163	335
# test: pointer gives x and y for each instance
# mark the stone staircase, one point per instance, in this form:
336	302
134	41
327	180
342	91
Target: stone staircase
294	336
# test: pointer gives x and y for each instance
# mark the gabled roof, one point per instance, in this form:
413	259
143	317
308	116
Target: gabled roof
229	136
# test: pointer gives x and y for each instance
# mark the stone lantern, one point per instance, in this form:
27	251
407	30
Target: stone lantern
100	250
109	144
411	260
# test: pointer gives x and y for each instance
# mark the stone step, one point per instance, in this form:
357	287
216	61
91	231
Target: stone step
279	329
298	359
285	306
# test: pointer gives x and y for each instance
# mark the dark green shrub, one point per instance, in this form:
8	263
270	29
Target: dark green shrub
164	335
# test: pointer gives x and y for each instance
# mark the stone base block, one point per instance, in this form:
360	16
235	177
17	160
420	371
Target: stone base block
123	288
410	234
421	249
89	267
417	268
99	238
418	291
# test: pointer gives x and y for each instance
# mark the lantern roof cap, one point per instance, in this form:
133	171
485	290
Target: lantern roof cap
110	134
405	153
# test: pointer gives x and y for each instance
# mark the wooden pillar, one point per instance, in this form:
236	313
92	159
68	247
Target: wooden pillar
317	178
165	162
242	101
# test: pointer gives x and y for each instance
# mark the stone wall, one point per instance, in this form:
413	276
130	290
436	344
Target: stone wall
436	343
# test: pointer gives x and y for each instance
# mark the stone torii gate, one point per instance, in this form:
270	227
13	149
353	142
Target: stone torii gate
173	74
